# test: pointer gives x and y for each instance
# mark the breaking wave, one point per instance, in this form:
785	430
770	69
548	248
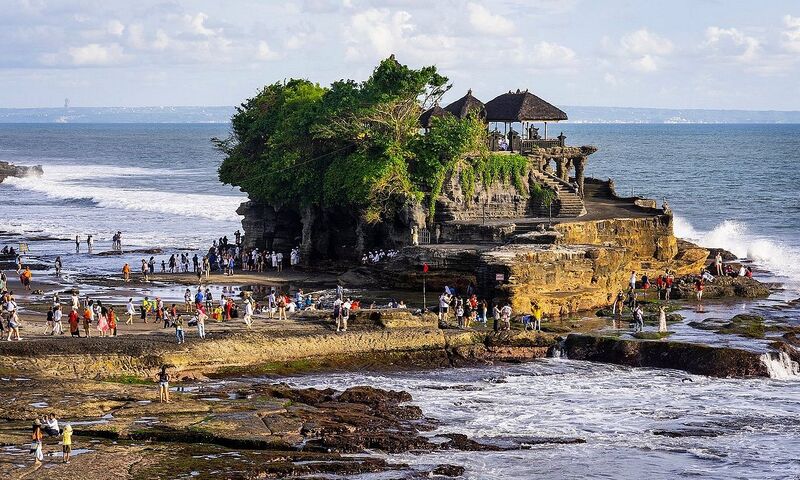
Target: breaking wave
70	185
735	236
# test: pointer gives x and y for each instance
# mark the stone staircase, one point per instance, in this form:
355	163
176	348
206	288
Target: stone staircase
568	203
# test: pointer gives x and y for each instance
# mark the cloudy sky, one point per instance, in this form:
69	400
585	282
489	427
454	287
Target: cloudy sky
728	54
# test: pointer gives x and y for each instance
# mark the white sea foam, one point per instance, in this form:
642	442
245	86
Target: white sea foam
62	183
738	238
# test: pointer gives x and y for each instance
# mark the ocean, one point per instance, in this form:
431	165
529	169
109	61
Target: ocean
732	186
155	183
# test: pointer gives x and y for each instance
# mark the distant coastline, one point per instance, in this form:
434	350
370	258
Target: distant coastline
222	114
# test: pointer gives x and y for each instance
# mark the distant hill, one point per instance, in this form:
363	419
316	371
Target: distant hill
576	114
117	115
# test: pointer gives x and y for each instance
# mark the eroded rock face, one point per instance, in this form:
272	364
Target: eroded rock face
589	263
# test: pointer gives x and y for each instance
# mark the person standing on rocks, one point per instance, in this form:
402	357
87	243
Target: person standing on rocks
36	442
163	385
633	280
89	243
145	271
77	244
536	313
699	285
201	322
638	317
248	313
505	315
58	266
718	264
662	319
668	285
88	316
57	316
74	328
66	442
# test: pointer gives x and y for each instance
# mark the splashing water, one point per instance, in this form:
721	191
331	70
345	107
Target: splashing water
780	366
778	257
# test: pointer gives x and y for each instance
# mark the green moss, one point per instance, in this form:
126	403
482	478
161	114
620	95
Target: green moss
651	335
128	380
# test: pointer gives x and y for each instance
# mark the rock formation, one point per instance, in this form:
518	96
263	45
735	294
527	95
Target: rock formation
10	170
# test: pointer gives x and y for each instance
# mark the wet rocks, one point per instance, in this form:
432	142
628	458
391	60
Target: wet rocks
693	358
11	170
750	326
448	470
722	287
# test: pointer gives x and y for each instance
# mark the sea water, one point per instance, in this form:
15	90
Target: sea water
157	184
732	186
636	422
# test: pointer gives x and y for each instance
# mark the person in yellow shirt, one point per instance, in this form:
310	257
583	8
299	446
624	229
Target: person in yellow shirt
537	312
126	273
66	442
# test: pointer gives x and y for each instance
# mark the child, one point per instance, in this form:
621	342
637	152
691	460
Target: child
178	322
67	442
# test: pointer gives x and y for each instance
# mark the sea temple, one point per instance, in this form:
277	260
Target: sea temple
480	193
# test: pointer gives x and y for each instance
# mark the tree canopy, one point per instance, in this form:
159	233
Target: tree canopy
351	144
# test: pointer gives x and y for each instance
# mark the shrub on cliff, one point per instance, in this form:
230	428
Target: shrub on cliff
358	145
350	144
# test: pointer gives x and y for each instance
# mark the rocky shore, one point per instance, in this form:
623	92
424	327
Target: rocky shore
11	170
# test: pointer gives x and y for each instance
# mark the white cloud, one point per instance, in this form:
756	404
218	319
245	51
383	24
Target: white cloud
379	30
732	43
197	24
644	42
484	21
264	52
115	27
611	79
548	54
642	50
791	36
95	54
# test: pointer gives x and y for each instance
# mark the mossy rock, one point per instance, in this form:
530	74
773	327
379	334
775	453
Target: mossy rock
750	326
651	335
555	328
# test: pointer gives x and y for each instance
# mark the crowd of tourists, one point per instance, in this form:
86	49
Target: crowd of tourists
377	256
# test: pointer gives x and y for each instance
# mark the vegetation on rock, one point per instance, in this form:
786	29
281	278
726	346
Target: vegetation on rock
358	145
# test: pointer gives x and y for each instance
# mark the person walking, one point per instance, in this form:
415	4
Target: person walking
179	333
201	322
58	329
130	311
126	273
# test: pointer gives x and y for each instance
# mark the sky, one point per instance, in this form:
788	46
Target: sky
719	54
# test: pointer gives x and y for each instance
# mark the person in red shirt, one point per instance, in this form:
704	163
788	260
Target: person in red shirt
74	329
112	322
668	286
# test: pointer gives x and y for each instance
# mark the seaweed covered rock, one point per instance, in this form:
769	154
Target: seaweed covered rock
690	357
